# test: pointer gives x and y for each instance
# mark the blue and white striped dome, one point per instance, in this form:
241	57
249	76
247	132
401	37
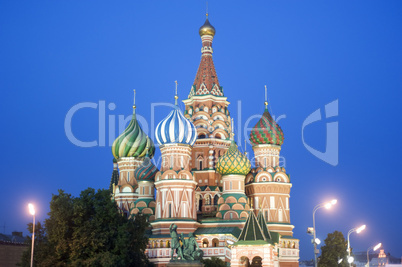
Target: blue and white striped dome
176	128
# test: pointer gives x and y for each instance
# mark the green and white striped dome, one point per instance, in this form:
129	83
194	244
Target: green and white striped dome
133	142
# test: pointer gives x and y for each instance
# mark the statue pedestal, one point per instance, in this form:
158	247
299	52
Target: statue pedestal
184	263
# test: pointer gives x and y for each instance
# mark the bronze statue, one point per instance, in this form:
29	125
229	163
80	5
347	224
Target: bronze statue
190	250
175	244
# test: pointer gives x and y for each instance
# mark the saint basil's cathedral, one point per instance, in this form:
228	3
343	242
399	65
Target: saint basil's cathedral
205	184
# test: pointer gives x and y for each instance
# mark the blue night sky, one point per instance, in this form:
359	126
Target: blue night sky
55	55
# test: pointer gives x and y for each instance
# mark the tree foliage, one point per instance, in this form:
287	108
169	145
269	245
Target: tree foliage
88	230
334	249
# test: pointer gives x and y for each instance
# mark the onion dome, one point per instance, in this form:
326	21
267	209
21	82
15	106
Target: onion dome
233	162
207	28
176	128
266	131
146	171
133	142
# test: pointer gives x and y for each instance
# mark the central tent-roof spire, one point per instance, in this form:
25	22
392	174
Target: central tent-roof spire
206	81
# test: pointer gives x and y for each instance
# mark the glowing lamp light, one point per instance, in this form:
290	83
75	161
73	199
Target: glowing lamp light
31	208
339	261
317	241
361	228
334	201
230	242
328	206
377	246
350	259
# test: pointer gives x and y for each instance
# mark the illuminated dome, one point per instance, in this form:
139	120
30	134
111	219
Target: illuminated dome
233	162
207	29
133	142
176	128
146	171
266	131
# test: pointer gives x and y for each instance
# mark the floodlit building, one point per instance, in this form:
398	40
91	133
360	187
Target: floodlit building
205	184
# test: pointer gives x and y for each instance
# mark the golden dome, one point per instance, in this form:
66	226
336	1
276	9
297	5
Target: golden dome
207	29
233	162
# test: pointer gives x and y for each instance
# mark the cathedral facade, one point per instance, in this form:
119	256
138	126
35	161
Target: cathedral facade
205	184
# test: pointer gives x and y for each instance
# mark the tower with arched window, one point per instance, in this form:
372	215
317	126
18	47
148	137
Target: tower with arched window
175	185
129	151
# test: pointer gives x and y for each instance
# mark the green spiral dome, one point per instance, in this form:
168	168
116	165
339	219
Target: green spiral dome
133	142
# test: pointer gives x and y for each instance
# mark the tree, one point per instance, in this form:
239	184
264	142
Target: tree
213	262
41	245
89	230
334	250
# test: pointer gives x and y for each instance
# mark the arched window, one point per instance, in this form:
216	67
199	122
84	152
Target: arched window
280	215
256	262
202	136
216	198
205	243
244	261
207	200
215	242
200	204
200	164
167	243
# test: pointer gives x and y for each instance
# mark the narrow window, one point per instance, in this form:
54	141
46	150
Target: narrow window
171	161
170	210
200	164
182	161
272	202
280	215
230	185
128	176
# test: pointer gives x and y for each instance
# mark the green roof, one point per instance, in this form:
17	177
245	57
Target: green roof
235	231
237	196
252	230
263	225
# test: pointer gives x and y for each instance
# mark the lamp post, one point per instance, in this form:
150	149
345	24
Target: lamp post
316	241
357	230
374	249
32	212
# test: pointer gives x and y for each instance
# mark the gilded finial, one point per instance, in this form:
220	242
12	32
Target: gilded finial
175	96
207	10
134	106
266	99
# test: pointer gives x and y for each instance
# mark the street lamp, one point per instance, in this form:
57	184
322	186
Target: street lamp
374	249
32	212
357	230
316	241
